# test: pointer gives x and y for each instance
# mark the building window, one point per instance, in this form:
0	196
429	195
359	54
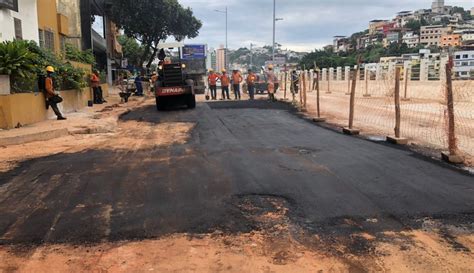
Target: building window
46	39
465	56
465	64
18	30
41	37
458	57
62	41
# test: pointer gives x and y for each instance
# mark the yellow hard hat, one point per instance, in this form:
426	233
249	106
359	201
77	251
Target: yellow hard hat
223	70
270	66
211	70
50	69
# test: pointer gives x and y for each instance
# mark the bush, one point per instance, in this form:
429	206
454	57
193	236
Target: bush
24	61
66	76
75	55
16	59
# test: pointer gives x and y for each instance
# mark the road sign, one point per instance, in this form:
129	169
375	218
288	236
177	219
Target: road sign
192	52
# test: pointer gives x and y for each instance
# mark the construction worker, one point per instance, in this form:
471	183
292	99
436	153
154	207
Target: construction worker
139	85
294	81
52	99
212	81
315	78
153	80
251	79
236	80
272	81
225	82
96	88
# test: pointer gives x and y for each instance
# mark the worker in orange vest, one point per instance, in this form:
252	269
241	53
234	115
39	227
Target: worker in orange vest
212	80
251	79
52	98
97	89
272	82
236	80
225	82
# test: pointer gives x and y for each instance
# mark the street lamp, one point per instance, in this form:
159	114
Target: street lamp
226	48
274	26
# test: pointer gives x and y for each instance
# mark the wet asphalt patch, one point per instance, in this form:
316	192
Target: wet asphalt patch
243	170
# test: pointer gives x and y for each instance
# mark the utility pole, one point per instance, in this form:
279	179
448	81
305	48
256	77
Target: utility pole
226	41
251	55
274	25
226	37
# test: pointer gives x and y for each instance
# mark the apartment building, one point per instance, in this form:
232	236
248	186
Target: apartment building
451	40
376	25
431	35
18	20
464	64
392	37
411	39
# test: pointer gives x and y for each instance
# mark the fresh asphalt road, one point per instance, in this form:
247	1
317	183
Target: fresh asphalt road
236	150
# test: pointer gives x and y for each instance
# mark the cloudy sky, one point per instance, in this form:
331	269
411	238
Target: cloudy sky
307	24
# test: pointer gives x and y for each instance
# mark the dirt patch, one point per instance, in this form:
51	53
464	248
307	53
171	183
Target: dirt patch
250	252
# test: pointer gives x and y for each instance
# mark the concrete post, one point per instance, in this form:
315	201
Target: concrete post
324	74
331	74
366	78
424	70
339	73
378	72
347	73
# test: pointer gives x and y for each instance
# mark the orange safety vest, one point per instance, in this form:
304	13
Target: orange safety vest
236	78
251	78
225	80
213	79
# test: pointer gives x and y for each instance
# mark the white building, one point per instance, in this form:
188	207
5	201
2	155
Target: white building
464	64
411	39
437	6
18	20
220	58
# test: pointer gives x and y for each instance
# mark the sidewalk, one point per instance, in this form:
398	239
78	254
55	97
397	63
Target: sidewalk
101	118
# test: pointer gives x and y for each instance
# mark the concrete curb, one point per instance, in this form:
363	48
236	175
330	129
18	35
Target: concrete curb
39	136
57	133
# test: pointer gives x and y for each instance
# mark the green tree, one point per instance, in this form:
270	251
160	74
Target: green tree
132	50
151	22
414	25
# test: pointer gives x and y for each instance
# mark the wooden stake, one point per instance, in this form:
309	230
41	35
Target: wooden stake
397	102
350	130
286	81
450	108
405	95
452	155
301	90
304	91
352	101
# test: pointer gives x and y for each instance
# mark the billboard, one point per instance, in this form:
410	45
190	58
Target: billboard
192	52
9	4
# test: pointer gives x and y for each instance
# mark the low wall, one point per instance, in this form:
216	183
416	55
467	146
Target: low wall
29	108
